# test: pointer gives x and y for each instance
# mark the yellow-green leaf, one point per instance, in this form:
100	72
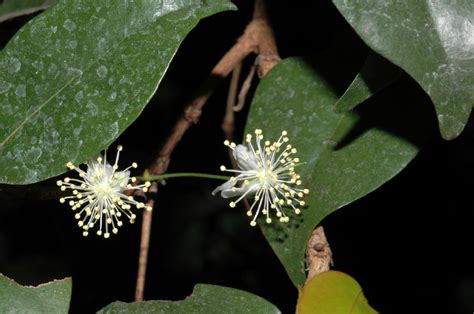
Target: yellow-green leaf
333	292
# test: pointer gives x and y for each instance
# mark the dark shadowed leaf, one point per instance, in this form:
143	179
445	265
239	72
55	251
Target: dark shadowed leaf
79	74
333	292
376	74
432	41
206	299
346	156
52	297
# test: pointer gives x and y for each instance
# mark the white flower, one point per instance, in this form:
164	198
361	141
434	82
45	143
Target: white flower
98	197
267	173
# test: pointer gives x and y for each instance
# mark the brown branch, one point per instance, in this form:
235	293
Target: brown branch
25	11
143	257
318	253
144	245
244	89
229	117
258	38
228	121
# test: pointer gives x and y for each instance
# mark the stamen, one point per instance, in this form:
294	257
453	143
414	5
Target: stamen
102	189
267	172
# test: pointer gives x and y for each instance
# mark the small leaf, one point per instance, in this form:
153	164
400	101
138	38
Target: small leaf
206	299
345	156
79	74
376	74
13	8
333	292
432	41
52	297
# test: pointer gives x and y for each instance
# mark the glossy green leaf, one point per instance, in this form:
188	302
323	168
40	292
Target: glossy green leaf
333	292
376	74
345	156
76	76
432	41
12	8
205	299
52	297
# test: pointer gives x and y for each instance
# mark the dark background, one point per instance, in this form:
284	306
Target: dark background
408	244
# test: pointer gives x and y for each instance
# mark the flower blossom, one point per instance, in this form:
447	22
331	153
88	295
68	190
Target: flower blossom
267	174
98	196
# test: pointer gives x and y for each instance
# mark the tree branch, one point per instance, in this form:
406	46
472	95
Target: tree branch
258	38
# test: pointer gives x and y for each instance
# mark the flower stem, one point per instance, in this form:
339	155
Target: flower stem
182	174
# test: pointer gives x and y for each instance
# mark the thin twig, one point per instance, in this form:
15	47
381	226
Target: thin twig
258	38
228	121
228	125
144	245
245	89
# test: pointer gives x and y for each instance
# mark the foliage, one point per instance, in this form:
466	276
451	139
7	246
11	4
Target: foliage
345	155
76	76
428	39
206	299
332	292
52	297
99	65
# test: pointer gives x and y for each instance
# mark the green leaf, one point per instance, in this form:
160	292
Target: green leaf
333	292
345	156
376	74
12	8
432	41
52	297
205	299
79	74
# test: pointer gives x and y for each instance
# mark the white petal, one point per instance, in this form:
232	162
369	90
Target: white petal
228	189
94	167
121	178
233	192
246	159
226	186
